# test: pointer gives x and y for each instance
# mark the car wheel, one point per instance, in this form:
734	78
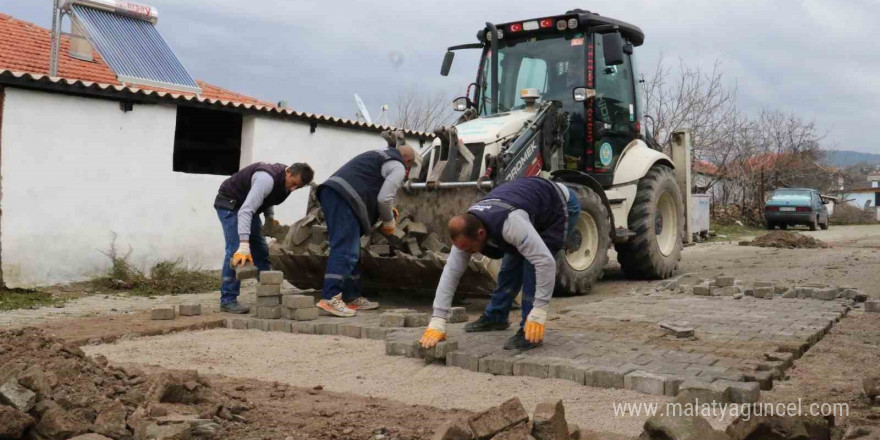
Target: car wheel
814	223
824	226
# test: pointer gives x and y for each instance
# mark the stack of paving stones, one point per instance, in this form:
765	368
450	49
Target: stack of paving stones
269	295
297	307
723	285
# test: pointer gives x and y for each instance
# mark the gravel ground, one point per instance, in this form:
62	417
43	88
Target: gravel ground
360	367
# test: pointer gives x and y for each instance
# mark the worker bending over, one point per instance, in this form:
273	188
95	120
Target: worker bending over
242	197
353	199
523	222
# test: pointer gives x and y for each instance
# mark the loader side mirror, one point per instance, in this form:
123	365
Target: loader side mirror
612	48
447	63
460	104
581	94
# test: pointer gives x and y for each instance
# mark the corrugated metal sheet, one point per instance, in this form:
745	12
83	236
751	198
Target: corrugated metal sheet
134	50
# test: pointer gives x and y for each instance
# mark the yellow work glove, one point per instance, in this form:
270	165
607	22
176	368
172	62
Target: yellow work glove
388	227
535	325
396	213
435	333
242	255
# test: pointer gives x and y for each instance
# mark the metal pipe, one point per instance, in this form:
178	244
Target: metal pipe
437	185
493	31
53	46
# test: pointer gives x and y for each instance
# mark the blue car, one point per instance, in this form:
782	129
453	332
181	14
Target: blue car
796	206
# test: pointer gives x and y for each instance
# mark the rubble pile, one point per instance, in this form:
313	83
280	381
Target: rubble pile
50	390
723	285
786	240
510	421
730	214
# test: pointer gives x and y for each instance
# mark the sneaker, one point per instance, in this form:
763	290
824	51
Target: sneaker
336	307
484	325
234	307
519	342
362	303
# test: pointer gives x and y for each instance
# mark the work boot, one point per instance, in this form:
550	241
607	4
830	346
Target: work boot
361	303
519	342
336	307
484	325
234	307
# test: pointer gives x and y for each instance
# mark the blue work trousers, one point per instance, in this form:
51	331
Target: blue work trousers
343	273
229	285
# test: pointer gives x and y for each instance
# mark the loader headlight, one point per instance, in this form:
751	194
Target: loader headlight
572	23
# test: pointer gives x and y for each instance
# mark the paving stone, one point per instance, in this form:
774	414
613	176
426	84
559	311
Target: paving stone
872	306
574	432
497	365
611	377
496	419
374	333
268	289
763	292
568	370
240	323
298	301
246	271
702	290
17	396
279	326
763	378
790	293
694	391
805	292
268	301
189	309
672	385
389	319
307	314
417	319
724	281
677	330
825	294
443	348
645	382
162	314
743	392
258	324
269	312
303	327
326	328
318	235
549	422
381	249
762	284
350	330
729	290
271	277
532	367
469	360
453	430
456	315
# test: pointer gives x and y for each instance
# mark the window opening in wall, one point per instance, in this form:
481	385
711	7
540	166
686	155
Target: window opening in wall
207	141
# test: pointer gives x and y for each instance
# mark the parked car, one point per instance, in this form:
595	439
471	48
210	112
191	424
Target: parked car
796	206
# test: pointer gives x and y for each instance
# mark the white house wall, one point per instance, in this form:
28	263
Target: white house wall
76	170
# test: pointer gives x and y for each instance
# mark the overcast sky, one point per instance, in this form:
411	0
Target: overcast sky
813	57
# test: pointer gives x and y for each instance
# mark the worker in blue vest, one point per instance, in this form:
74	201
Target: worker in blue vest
358	195
524	223
252	191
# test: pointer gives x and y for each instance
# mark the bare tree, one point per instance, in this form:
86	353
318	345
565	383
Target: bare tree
422	111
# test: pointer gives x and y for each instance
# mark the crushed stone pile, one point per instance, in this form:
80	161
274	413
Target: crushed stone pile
786	240
51	390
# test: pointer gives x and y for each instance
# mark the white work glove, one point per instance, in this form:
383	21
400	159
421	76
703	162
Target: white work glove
536	324
242	255
435	333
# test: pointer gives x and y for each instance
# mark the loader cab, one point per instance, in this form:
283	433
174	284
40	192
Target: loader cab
567	58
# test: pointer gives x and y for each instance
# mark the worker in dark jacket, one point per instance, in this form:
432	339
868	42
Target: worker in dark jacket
253	190
353	199
524	223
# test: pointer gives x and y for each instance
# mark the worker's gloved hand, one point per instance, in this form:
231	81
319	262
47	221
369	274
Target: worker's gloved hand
435	333
535	325
388	227
242	255
396	213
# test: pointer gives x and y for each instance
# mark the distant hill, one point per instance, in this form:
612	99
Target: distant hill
843	158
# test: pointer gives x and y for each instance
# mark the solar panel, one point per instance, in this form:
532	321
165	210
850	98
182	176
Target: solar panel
134	50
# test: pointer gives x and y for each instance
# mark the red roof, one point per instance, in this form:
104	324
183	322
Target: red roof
703	167
24	47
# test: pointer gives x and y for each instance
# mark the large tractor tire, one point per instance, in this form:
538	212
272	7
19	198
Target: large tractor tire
657	218
580	266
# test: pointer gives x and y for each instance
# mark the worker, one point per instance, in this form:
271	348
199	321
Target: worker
242	197
524	223
358	195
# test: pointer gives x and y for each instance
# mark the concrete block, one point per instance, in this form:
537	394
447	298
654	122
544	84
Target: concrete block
189	309
763	292
691	391
273	312
825	294
350	330
532	367
417	319
279	326
303	327
374	333
611	377
326	328
724	281
381	249
298	301
389	319
702	290
268	290
568	370
240	323
645	382
268	301
549	422
872	306
677	330
496	419
457	314
271	277
417	229
308	314
743	392
17	396
162	313
433	243
258	324
497	365
246	271
413	247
